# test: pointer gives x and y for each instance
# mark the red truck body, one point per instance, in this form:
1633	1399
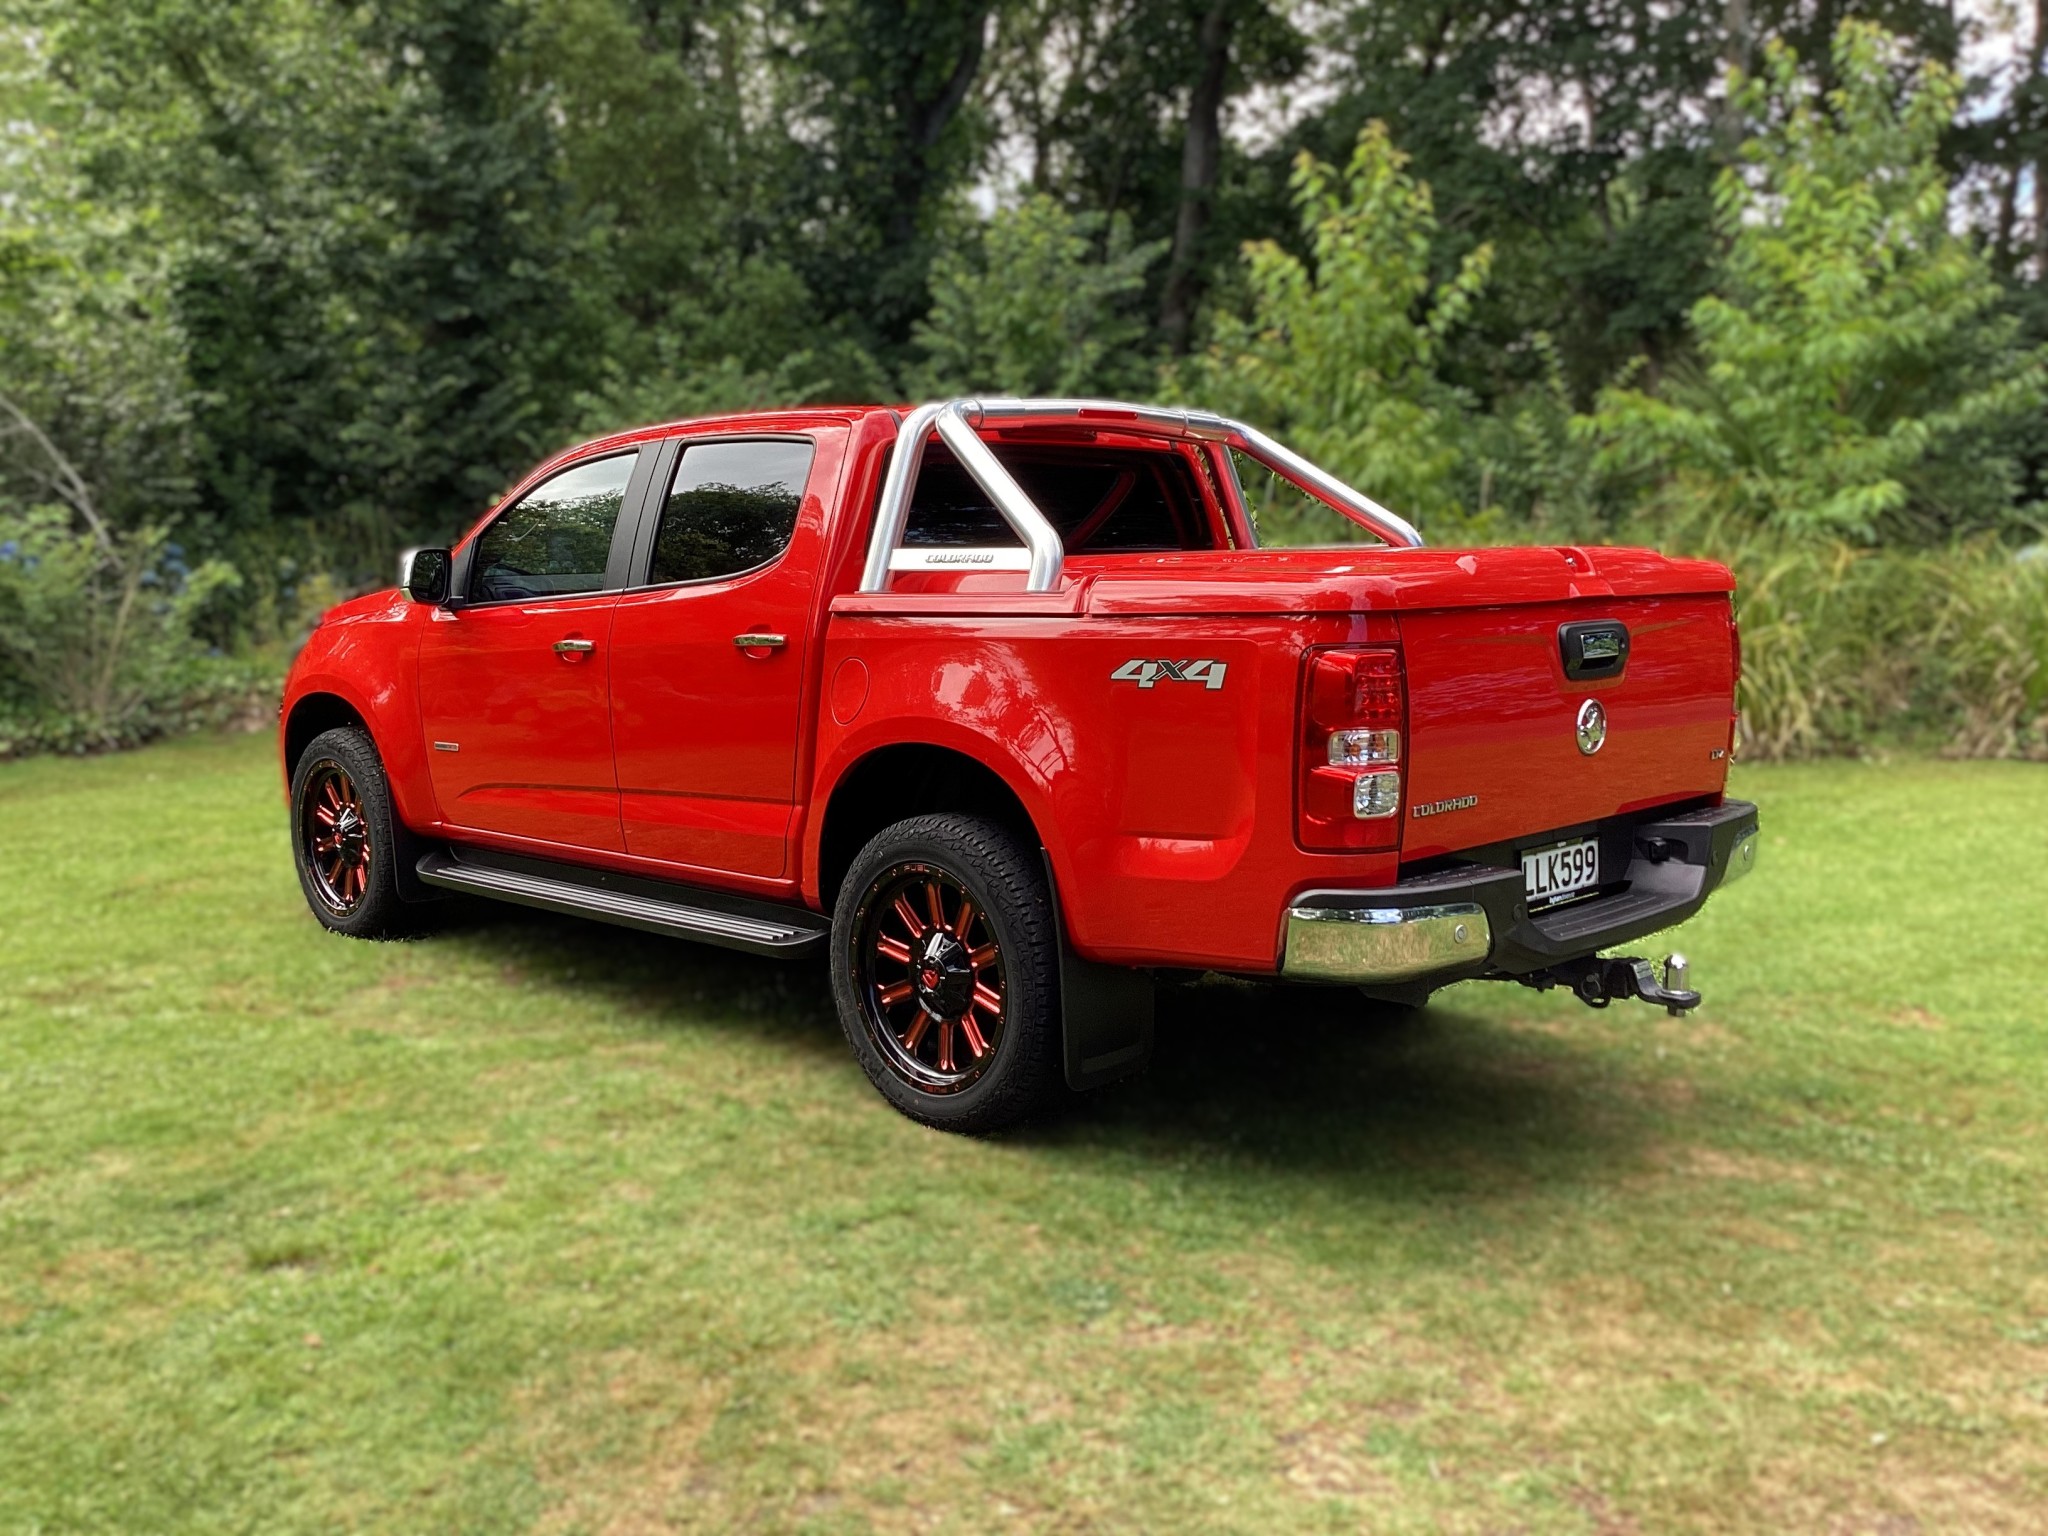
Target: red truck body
1150	713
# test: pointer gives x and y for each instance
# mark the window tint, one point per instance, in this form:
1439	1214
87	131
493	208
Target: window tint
731	507
1099	499
558	537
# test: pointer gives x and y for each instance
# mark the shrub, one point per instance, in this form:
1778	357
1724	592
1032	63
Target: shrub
96	643
1847	648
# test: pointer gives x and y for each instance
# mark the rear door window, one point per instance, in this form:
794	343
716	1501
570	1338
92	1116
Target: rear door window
556	539
730	508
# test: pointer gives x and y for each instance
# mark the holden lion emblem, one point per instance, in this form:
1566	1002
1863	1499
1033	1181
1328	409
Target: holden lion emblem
1592	727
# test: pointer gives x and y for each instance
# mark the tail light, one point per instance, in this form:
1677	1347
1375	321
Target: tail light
1353	715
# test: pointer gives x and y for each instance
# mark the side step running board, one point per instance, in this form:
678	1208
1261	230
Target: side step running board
710	917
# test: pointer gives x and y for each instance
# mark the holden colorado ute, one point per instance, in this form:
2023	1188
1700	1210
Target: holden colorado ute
1001	707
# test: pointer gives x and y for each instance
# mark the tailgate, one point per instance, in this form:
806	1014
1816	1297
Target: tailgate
1494	752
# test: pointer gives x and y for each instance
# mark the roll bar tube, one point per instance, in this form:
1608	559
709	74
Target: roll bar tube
1042	556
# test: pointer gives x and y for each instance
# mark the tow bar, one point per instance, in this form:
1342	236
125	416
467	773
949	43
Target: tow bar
1597	981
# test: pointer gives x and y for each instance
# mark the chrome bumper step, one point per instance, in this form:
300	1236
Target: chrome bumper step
685	912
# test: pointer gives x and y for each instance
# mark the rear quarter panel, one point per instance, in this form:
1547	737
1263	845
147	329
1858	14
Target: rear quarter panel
1168	810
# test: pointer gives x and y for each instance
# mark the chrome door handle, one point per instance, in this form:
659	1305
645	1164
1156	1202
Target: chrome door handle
760	642
574	647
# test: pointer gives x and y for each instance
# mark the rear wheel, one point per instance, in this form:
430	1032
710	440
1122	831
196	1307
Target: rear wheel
946	970
342	835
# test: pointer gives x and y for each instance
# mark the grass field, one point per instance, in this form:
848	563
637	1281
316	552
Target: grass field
539	1225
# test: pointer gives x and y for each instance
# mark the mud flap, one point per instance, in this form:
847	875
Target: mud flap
1105	1012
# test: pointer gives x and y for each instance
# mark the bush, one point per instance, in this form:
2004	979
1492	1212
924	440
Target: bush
96	642
1847	648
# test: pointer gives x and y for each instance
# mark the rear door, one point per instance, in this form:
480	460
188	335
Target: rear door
514	682
709	651
1494	715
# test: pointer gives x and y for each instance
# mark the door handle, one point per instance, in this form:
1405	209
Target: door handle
760	642
568	648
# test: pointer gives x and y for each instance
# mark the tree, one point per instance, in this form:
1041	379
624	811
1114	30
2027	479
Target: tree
1857	374
1025	305
1341	353
886	89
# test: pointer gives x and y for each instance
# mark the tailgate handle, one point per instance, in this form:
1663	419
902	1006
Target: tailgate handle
1593	648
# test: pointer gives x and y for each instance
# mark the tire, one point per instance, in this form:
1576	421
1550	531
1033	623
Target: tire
344	840
956	1024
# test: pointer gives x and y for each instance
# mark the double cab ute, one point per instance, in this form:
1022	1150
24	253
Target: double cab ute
1002	707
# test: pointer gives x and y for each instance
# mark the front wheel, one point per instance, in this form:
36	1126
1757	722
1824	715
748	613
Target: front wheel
946	972
343	836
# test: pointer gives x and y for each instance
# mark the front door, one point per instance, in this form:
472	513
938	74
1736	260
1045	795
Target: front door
514	681
708	657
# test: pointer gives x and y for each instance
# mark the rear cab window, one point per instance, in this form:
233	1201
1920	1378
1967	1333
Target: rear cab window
1103	498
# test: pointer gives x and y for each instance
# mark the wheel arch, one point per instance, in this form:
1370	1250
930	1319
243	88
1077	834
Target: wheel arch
311	714
891	782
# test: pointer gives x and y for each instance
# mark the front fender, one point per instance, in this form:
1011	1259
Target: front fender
366	654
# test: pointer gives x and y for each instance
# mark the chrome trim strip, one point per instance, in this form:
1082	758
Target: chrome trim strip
956	421
1381	944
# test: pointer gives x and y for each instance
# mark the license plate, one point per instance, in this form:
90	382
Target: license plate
1561	872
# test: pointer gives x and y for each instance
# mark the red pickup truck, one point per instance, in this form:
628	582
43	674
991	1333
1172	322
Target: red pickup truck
1001	706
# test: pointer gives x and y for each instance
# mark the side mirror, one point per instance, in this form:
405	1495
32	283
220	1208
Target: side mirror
426	575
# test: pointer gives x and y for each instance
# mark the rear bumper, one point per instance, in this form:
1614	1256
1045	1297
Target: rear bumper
1474	920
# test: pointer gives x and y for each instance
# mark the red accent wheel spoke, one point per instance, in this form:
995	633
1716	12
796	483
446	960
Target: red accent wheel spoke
940	1026
910	918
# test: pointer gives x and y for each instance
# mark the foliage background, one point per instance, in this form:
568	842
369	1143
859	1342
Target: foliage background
288	284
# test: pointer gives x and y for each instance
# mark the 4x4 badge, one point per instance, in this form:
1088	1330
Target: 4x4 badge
1146	673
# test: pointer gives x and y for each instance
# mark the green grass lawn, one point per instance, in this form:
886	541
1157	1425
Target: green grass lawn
538	1224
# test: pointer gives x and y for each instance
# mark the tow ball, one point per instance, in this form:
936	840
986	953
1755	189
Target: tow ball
1598	981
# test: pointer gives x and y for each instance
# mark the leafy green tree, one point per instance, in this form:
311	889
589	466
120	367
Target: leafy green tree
1857	375
1028	305
891	90
1341	353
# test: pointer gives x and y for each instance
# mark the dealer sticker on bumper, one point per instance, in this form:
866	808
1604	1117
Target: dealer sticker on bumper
1561	872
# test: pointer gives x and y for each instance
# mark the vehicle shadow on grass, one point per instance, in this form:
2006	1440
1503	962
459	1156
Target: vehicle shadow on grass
1440	1102
1429	1103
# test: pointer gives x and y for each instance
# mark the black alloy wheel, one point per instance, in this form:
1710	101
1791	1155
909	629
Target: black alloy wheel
337	836
344	839
932	977
946	972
